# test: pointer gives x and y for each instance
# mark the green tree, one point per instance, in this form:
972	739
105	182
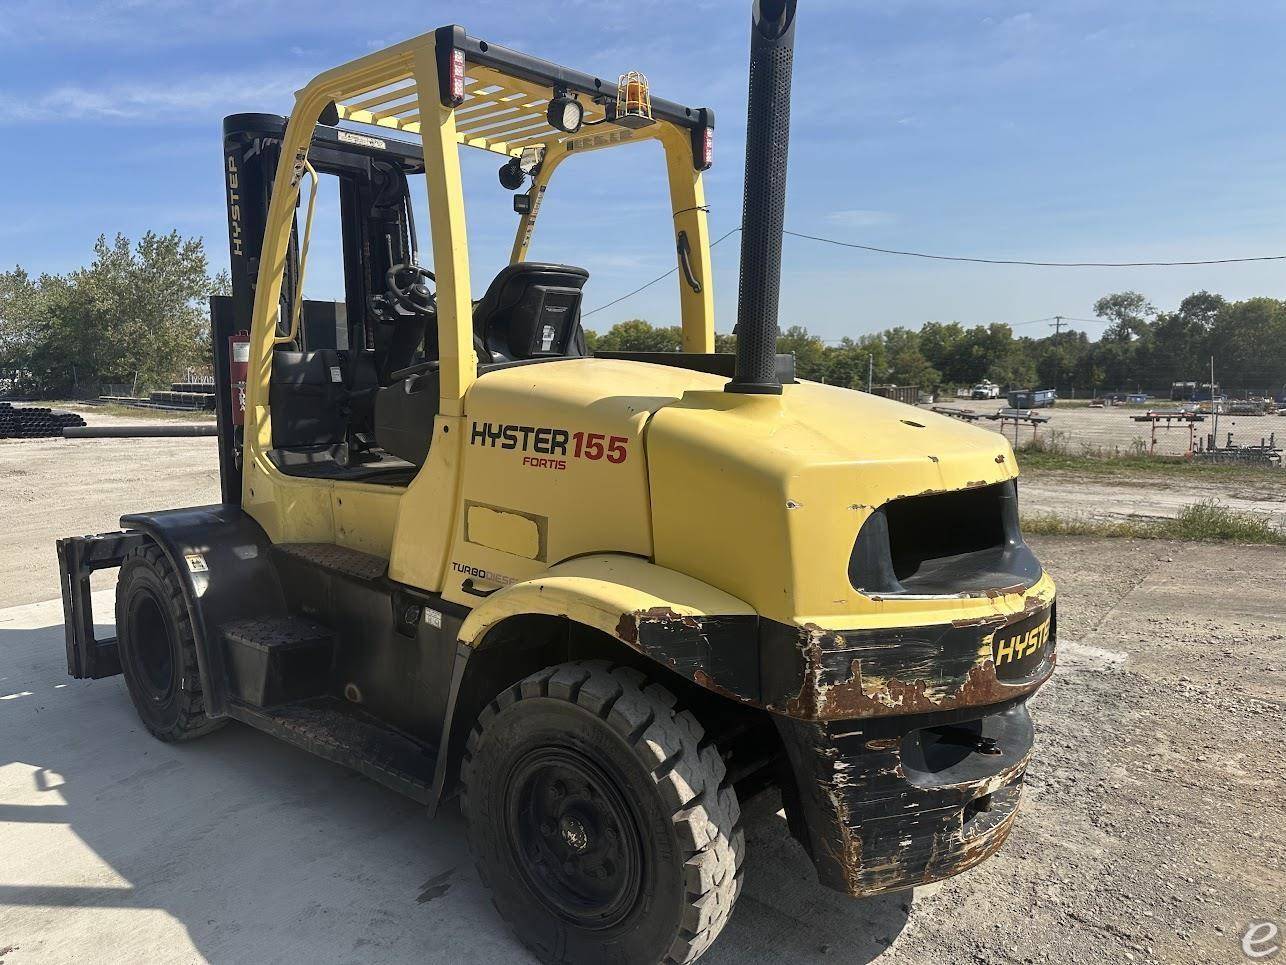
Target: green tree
136	314
21	316
1143	348
1128	313
942	344
905	364
636	335
984	353
849	362
1248	341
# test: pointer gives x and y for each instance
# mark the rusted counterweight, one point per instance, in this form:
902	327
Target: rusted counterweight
908	746
809	673
875	818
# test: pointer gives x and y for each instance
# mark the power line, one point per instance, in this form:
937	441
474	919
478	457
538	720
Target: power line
1036	264
970	260
658	278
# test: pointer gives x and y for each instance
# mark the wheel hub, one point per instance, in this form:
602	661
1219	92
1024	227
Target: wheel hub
574	837
574	834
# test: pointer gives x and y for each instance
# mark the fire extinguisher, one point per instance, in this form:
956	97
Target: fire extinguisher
239	367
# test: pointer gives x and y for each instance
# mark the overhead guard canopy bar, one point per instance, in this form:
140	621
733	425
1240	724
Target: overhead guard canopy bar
547	74
500	97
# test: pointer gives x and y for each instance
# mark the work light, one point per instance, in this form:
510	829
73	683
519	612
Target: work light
512	175
565	112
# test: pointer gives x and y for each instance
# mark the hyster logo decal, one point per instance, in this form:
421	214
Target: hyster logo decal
551	447
1023	643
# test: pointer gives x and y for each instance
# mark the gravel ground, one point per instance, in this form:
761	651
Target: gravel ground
1152	828
71	487
1147	495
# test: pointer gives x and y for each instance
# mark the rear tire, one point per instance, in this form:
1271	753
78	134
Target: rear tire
600	818
157	649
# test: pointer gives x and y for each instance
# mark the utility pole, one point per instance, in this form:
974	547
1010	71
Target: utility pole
1214	407
1057	324
870	373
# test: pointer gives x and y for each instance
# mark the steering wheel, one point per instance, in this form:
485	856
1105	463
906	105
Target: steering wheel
408	291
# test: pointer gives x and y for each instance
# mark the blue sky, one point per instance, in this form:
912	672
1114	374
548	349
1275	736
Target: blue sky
1070	130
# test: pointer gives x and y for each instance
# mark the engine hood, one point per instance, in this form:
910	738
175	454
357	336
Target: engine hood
759	496
764	496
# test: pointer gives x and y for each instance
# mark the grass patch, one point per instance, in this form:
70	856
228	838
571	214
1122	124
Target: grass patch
1108	464
1141	406
1053	453
1204	522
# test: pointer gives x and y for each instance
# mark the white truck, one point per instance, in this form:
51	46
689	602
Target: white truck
985	390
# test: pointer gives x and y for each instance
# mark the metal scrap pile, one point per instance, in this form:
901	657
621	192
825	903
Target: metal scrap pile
34	422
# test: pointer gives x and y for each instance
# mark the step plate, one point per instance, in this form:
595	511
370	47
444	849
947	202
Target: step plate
338	731
337	559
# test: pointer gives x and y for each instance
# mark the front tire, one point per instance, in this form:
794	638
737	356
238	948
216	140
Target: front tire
601	819
157	649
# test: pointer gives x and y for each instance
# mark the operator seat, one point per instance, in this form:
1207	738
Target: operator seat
531	311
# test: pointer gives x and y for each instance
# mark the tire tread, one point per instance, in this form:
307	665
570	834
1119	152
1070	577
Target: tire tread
686	767
192	721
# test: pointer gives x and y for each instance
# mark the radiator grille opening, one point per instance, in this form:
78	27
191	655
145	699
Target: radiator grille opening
924	529
942	543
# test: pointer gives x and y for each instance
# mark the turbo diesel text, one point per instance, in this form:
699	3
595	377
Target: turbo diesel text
551	447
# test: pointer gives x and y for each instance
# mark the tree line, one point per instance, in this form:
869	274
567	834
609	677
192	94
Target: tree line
136	315
1143	348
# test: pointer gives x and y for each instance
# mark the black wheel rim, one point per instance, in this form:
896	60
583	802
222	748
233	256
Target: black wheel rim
574	837
151	650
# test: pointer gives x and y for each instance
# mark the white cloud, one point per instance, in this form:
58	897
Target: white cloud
861	218
198	98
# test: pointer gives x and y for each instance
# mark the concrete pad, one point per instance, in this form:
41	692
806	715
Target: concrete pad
237	848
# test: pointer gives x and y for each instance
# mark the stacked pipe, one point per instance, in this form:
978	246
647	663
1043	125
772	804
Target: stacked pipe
34	422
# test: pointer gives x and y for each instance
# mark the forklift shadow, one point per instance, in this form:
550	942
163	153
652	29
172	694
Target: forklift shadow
251	850
254	851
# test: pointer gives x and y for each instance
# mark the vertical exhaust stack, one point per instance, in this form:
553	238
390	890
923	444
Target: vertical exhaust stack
772	55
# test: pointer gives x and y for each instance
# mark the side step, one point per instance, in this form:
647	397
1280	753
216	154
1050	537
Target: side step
277	660
339	731
336	559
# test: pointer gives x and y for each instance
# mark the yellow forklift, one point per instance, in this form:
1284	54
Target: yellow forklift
598	600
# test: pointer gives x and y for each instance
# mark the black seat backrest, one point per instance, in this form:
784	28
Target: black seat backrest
531	310
306	391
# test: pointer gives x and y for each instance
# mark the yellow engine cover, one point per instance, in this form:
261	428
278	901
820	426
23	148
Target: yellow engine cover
761	497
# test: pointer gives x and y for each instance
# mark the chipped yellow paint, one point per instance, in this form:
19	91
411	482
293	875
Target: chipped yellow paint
498	529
